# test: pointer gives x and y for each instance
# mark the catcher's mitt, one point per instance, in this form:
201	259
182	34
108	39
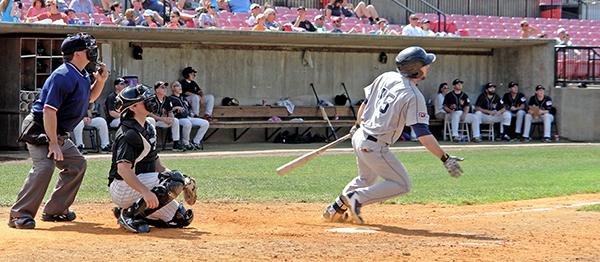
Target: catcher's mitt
189	190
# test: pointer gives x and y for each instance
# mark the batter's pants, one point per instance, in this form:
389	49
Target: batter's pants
374	159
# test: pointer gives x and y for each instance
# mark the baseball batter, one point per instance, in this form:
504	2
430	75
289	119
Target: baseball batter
140	185
392	102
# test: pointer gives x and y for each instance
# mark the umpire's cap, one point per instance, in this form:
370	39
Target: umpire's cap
78	42
131	95
410	60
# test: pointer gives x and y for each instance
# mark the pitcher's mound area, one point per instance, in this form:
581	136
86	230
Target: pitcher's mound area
543	229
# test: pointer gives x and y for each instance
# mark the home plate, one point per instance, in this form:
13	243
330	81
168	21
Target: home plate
352	230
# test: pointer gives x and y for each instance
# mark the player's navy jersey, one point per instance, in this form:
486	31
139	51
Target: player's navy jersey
493	103
517	101
136	145
163	107
175	101
457	101
393	101
544	104
67	90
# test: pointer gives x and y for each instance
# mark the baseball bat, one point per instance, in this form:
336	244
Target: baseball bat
323	112
303	159
349	100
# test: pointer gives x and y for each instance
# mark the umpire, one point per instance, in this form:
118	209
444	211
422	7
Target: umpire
62	104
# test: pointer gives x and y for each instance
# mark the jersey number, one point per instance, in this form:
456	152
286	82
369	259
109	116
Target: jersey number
384	101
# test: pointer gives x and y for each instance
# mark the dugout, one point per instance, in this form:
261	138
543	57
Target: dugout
256	66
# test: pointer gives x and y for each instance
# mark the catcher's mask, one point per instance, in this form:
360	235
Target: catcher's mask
132	95
79	42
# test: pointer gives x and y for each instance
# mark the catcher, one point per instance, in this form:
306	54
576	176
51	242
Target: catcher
140	185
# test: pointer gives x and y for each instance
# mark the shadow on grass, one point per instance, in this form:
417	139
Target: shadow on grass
100	229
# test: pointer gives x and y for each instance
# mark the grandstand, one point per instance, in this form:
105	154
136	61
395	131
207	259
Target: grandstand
482	43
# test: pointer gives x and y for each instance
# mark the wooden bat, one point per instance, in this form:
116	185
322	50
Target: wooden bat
303	159
326	118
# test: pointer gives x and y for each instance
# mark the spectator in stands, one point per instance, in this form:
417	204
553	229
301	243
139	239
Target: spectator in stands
163	116
53	14
271	24
72	18
302	22
489	109
106	6
116	13
149	19
413	29
384	28
154	5
94	120
112	116
175	20
129	18
540	107
563	37
208	17
222	5
11	10
514	102
181	109
457	106
260	23
83	6
320	24
342	7
337	25
426	27
37	7
528	31
140	10
438	101
255	10
239	6
195	95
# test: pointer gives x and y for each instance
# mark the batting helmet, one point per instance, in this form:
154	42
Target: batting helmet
410	60
134	94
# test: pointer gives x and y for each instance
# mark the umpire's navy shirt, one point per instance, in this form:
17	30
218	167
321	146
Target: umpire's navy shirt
67	91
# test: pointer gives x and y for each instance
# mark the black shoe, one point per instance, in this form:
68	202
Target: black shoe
546	140
189	147
505	138
105	150
526	140
69	216
133	225
81	150
177	147
21	223
198	146
117	212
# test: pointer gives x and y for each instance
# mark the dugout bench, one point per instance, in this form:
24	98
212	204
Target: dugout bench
243	118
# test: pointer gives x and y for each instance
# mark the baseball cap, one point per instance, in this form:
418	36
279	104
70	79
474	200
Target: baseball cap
77	42
252	6
160	83
489	84
456	81
148	12
538	87
317	17
511	84
336	19
382	20
188	70
300	8
121	81
424	21
561	30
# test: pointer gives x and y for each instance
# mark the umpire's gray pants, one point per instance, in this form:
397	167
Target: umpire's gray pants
375	159
32	194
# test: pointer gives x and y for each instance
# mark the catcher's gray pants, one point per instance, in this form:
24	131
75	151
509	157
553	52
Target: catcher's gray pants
32	194
124	196
374	159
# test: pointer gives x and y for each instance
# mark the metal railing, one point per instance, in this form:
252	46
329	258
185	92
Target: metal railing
576	64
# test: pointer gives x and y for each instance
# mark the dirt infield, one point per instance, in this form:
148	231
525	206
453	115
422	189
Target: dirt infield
543	229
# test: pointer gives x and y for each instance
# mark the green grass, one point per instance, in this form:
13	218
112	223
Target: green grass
595	208
491	175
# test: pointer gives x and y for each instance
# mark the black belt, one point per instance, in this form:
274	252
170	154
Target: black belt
370	137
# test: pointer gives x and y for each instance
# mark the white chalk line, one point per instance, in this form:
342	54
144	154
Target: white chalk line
531	210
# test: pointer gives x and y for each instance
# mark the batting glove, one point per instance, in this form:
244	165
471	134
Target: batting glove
451	164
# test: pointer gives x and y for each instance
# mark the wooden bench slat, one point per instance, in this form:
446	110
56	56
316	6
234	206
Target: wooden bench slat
267	124
268	111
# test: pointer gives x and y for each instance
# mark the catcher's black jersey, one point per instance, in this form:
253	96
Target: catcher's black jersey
136	145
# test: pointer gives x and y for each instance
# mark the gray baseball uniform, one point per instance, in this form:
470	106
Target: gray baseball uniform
393	102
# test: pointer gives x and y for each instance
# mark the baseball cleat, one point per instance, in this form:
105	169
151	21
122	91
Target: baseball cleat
350	199
133	225
332	215
69	216
117	212
21	223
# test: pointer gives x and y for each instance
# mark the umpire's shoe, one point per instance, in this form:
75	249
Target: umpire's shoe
69	216
21	223
350	199
133	225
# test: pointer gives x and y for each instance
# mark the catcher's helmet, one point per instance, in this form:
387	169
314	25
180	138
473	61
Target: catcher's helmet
410	60
135	94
